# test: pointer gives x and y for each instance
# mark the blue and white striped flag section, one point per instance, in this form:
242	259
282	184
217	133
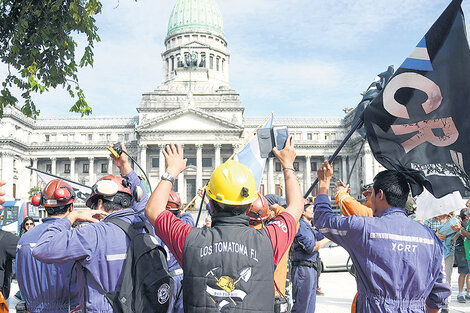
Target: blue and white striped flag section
250	154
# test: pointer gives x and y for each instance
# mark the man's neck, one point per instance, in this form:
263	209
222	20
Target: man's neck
307	220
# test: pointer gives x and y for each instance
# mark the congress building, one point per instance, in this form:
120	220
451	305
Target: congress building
194	106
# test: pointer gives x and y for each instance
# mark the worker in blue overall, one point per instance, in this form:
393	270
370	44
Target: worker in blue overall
399	262
307	242
47	287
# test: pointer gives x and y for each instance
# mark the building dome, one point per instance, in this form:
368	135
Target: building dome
196	16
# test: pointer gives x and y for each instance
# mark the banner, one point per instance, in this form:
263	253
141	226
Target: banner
83	192
419	124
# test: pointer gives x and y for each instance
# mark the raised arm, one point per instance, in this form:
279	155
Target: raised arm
175	164
295	200
339	229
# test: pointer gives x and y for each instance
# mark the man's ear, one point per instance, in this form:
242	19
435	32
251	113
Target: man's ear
99	205
70	209
381	194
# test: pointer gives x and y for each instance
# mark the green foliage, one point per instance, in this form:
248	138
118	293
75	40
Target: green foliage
36	39
34	190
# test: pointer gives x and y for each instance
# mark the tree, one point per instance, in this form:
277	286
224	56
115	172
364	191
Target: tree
37	44
34	190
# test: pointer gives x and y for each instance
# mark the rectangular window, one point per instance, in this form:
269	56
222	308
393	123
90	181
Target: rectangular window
278	167
86	168
108	137
296	166
49	167
47	138
126	137
104	167
67	168
278	190
206	162
90	137
309	136
217	64
211	62
313	165
155	162
191	161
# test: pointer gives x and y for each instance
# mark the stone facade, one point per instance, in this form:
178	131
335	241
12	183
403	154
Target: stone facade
194	106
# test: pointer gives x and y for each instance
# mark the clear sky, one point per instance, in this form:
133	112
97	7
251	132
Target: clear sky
296	57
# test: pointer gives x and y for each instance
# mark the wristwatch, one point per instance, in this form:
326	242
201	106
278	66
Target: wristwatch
169	177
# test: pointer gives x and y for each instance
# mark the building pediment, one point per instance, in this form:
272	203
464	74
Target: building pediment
187	119
194	44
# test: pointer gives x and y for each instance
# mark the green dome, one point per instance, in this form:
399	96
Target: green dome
196	15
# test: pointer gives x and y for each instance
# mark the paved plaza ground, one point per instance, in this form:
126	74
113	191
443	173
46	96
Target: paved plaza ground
339	289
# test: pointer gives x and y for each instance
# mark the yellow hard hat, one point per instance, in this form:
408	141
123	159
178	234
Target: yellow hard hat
232	183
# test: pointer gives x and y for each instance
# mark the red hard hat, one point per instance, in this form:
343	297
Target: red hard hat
259	210
107	187
56	193
174	201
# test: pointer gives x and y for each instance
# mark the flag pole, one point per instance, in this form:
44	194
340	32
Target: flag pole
235	152
240	147
355	160
358	124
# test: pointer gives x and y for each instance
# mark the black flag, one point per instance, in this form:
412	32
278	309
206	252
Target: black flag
420	123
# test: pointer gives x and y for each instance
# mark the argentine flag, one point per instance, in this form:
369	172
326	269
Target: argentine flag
250	155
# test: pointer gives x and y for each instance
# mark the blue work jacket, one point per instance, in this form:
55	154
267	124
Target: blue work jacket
100	247
304	242
45	287
399	262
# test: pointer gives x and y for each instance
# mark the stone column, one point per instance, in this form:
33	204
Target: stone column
217	147
143	157
198	166
91	170
72	168
110	165
54	166
270	183
368	165
308	173
34	176
181	190
344	170
161	161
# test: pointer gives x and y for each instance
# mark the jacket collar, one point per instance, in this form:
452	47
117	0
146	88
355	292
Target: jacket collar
221	218
392	211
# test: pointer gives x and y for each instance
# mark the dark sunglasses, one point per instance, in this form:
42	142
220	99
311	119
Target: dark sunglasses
27	224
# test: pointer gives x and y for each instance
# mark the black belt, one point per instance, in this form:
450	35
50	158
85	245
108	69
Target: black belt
305	263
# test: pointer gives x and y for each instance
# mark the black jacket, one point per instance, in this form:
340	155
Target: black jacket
228	268
8	243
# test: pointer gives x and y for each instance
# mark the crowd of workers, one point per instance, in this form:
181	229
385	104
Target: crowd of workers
238	262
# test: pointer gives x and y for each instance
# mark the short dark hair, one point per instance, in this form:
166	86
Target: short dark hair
394	186
119	201
464	213
52	211
234	209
